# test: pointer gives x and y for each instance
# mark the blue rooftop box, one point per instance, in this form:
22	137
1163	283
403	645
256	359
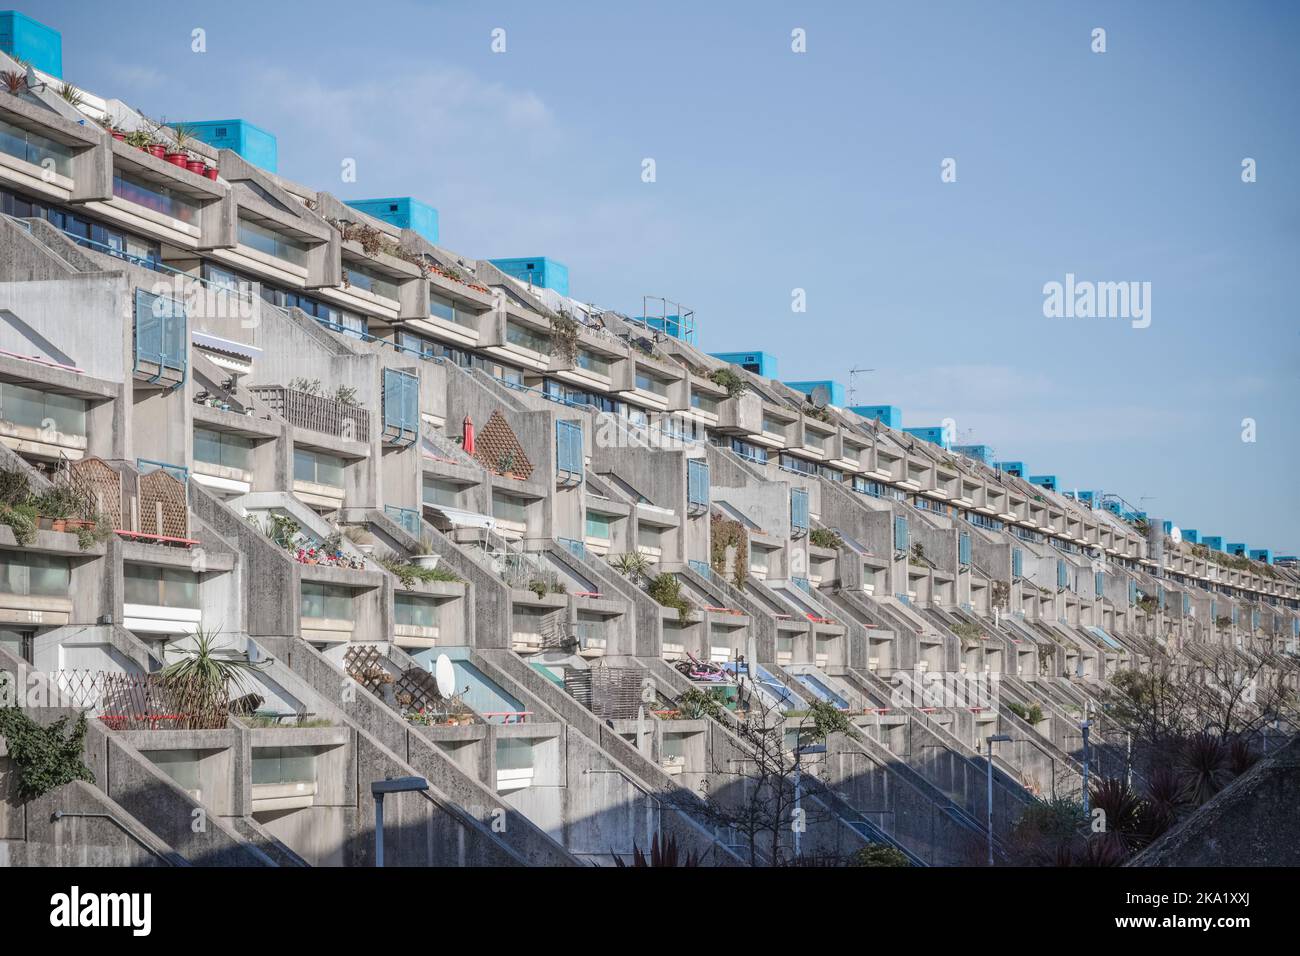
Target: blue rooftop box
33	41
1089	498
979	452
834	390
252	142
538	270
1014	468
931	433
1190	535
760	363
890	415
1213	541
1239	548
1261	554
402	212
1044	481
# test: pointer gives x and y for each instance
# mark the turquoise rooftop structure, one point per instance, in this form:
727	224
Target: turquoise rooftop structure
402	212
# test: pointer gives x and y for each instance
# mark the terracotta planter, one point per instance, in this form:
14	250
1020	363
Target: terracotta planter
210	172
178	159
58	524
196	166
156	149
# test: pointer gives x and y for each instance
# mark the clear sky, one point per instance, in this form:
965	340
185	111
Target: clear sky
821	171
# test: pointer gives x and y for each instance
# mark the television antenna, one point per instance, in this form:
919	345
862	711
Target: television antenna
853	390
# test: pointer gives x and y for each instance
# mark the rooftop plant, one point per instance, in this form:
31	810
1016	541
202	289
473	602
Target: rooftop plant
14	81
408	573
206	672
728	379
667	590
826	538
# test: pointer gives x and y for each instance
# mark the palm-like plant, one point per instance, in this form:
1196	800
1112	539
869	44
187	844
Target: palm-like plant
207	671
14	81
71	95
1204	766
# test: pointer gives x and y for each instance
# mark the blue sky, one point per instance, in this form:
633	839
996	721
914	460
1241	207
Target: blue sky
820	171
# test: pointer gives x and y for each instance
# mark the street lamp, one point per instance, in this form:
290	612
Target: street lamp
380	788
989	741
800	750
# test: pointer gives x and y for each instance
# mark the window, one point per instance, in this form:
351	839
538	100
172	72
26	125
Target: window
510	508
222	448
593	363
963	548
317	467
159	199
650	383
412	611
36	575
17	643
161	587
649	536
598	525
281	765
900	533
440	492
370	281
20	405
272	243
34	148
527	338
705	403
326	601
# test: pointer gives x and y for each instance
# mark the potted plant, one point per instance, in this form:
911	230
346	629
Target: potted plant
157	149
178	156
427	559
210	172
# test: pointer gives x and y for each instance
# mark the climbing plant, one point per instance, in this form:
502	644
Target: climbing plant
45	757
564	331
725	533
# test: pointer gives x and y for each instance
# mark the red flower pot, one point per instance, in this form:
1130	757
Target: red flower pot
156	149
211	173
178	159
117	134
196	166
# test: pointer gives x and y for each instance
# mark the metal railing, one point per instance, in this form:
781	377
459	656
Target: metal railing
316	412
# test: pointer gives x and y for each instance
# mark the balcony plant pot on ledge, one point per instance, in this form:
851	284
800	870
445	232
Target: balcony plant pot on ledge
178	159
158	150
429	561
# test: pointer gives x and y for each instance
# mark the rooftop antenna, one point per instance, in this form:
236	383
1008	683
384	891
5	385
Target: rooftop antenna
853	390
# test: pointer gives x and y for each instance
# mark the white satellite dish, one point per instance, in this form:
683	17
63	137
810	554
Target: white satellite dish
1175	535
820	396
444	675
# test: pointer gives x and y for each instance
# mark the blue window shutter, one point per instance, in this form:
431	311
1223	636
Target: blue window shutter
697	483
1132	592
1187	603
799	509
401	407
1017	563
963	548
900	533
1214	609
1160	596
568	449
1098	583
1062	573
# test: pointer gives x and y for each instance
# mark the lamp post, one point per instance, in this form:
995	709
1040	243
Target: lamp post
1086	726
989	741
800	750
379	789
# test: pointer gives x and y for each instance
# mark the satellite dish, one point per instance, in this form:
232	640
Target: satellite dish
1175	535
444	675
820	397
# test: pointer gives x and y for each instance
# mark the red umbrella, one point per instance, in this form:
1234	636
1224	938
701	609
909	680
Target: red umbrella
467	432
